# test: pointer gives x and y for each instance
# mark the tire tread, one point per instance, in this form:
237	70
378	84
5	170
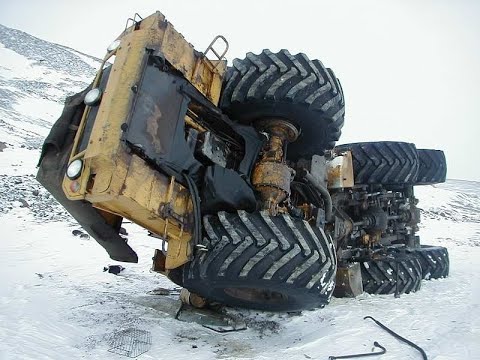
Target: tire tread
432	167
298	83
305	268
383	162
379	276
434	260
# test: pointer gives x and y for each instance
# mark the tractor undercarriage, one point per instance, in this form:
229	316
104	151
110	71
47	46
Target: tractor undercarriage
236	170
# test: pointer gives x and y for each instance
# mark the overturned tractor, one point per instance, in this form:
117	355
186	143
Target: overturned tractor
236	170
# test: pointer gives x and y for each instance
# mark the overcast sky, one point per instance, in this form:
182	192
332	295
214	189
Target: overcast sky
410	69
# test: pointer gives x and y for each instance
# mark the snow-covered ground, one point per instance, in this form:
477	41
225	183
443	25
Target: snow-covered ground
57	303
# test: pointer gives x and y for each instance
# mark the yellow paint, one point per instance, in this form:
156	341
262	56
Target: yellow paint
119	182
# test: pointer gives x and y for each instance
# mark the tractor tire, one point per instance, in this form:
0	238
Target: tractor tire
434	261
390	274
432	167
292	87
383	162
254	260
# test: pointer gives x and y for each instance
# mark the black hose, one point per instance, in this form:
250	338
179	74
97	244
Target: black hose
322	191
394	334
307	193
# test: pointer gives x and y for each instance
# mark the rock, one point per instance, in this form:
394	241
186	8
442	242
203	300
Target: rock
113	269
35	192
24	203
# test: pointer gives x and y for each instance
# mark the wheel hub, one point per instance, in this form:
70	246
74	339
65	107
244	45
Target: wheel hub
271	175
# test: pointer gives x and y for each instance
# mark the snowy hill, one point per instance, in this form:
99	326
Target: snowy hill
35	78
56	303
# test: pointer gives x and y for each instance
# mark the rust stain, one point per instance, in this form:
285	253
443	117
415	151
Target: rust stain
334	174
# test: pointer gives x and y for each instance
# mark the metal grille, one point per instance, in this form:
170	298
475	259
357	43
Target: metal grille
130	342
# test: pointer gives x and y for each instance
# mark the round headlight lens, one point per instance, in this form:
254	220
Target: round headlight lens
113	46
74	169
93	97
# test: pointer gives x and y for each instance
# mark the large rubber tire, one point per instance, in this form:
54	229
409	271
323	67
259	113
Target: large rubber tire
292	87
383	162
379	276
263	262
432	167
434	261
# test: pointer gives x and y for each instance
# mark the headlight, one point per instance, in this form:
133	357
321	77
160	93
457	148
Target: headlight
113	46
74	169
93	97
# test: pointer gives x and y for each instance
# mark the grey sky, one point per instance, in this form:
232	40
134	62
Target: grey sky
410	69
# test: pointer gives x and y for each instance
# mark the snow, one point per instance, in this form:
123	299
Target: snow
32	106
12	62
57	303
18	161
17	66
90	60
35	79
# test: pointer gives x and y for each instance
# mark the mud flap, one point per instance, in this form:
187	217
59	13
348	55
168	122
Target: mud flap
52	166
349	281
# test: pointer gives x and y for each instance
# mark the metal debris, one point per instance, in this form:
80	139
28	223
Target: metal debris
377	353
113	269
130	342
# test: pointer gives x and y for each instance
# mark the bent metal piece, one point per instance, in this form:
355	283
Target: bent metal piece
401	338
375	344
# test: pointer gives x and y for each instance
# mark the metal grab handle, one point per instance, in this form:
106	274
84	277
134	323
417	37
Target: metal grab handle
375	344
211	48
134	21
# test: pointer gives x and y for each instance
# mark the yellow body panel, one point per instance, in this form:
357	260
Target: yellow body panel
117	181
